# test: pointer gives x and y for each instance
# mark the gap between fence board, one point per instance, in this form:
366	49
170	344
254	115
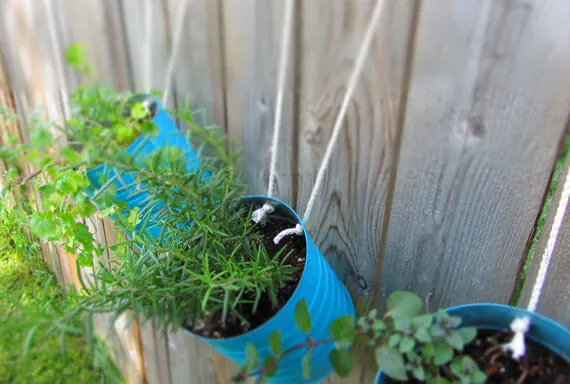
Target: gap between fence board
554	301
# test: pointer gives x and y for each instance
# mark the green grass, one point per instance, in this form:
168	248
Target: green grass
558	171
22	275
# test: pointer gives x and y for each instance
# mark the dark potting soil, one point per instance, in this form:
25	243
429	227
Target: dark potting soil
295	251
539	365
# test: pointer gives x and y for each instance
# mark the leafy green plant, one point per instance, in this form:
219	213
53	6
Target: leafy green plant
408	344
28	291
208	265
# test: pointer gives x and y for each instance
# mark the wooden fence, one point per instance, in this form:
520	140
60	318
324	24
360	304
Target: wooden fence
441	170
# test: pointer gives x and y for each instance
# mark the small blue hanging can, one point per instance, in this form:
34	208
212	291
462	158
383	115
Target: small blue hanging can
327	299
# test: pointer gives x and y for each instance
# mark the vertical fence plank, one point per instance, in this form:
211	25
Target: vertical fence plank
348	218
252	37
149	75
489	100
347	221
138	44
198	72
24	45
554	301
98	26
198	79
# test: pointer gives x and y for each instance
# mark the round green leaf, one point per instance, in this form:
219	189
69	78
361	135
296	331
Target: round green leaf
422	335
303	317
402	305
443	354
252	356
343	331
468	334
392	362
420	373
271	366
275	343
407	344
455	340
342	361
307	365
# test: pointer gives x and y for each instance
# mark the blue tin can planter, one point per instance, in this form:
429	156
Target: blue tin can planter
326	297
169	135
498	317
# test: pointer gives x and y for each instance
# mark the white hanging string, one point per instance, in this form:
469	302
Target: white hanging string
283	59
521	325
147	46
359	64
179	26
553	236
259	215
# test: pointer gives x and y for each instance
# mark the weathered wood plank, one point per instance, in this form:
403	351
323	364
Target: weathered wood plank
24	45
489	100
99	28
252	34
146	74
347	221
156	353
148	53
554	301
198	76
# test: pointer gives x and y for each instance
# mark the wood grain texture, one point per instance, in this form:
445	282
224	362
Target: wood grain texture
191	361
554	301
147	76
488	104
346	223
252	41
156	353
198	76
98	27
137	42
24	45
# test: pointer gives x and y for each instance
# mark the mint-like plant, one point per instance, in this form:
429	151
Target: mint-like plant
207	271
408	344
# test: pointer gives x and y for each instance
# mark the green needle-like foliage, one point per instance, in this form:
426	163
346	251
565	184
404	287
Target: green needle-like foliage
208	266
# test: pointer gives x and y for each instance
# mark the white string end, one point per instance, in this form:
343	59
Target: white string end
298	230
520	327
259	216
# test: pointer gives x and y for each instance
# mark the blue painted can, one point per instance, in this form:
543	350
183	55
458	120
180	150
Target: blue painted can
543	330
327	298
168	135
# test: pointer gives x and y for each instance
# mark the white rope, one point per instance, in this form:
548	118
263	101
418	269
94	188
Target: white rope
179	26
283	59
259	215
521	325
287	232
362	54
147	51
553	236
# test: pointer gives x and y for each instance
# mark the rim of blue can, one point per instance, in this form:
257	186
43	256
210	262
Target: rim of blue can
246	336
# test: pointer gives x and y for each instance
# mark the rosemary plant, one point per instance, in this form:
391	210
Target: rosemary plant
208	270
